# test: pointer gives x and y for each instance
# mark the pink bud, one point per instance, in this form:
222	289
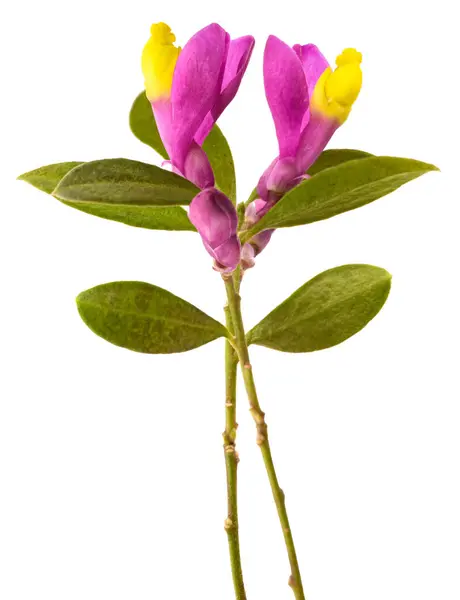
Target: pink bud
216	220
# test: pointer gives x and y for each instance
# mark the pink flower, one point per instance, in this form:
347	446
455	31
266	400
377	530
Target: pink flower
308	102
189	89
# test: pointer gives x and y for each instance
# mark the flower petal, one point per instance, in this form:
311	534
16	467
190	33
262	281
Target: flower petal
162	112
314	139
282	175
227	255
248	255
262	189
196	85
313	63
216	220
260	240
197	167
287	93
239	53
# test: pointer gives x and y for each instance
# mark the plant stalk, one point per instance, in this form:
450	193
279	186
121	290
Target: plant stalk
234	304
231	464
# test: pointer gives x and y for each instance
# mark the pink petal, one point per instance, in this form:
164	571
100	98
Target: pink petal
228	254
239	53
260	240
281	176
314	139
313	63
162	113
287	93
248	255
196	86
197	167
262	189
216	220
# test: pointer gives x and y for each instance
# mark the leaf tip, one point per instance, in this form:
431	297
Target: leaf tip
27	177
79	301
429	167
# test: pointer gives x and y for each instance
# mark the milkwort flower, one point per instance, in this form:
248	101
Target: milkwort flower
308	102
189	89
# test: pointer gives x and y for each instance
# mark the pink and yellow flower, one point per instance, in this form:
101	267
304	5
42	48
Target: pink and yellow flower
189	89
308	101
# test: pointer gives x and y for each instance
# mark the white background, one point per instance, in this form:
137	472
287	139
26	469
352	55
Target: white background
111	473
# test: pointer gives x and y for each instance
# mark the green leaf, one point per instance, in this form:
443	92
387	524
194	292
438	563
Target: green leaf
325	311
46	178
166	218
143	125
146	318
334	157
169	218
339	189
220	157
327	159
123	181
252	196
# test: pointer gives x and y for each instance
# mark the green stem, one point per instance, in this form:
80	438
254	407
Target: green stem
231	464
234	303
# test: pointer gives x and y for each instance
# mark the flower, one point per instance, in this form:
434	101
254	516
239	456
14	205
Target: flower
189	89
308	102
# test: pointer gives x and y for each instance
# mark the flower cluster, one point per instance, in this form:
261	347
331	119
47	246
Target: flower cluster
190	88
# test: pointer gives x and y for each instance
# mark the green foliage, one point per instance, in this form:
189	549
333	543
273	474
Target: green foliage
325	311
124	181
46	178
341	188
334	157
220	157
166	218
170	218
146	318
144	127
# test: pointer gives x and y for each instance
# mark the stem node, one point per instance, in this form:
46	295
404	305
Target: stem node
228	524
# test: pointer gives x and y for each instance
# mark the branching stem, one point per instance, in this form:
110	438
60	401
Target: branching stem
234	305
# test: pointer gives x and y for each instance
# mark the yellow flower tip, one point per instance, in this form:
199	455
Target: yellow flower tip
162	33
336	91
159	59
349	56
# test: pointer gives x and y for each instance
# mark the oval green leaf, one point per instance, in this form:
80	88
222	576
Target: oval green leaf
124	181
146	318
325	311
144	127
341	188
169	218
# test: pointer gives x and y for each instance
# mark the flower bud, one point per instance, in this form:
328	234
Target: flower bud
216	220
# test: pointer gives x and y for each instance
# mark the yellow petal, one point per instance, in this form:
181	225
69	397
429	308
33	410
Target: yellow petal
159	59
336	91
